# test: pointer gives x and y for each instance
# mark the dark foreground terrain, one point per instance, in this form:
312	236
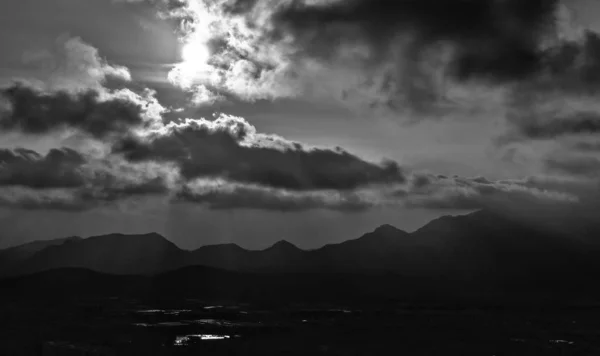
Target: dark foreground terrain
80	312
117	326
482	284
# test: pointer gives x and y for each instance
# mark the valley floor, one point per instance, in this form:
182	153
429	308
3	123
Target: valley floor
117	326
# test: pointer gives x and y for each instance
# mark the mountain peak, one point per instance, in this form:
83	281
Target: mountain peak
381	237
386	231
445	222
118	235
154	235
134	241
387	228
283	245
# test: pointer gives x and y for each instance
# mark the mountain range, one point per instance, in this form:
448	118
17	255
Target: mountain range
483	253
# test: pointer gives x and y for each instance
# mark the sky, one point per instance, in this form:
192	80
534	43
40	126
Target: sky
314	121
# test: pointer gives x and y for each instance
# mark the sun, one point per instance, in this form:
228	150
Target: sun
195	53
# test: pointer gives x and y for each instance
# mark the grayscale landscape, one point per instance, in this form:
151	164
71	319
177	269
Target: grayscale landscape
299	177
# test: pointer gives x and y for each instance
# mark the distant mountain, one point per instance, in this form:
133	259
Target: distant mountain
282	256
115	253
227	256
475	254
490	247
30	248
283	248
377	250
386	248
14	255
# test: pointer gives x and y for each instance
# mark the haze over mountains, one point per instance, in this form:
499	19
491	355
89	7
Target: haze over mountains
483	252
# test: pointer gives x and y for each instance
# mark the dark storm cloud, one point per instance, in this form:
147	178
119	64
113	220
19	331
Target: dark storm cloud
586	146
422	58
551	127
65	179
32	111
226	163
419	181
572	66
378	54
491	39
568	66
560	106
229	148
561	100
59	168
79	199
583	166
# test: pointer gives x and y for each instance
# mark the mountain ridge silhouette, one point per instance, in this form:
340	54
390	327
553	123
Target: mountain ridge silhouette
482	251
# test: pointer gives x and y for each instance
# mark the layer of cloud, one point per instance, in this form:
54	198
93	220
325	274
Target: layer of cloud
424	58
574	165
524	61
441	192
557	110
66	180
227	195
222	163
556	126
34	111
59	168
225	163
230	148
261	171
69	180
586	146
561	100
495	40
70	87
71	65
